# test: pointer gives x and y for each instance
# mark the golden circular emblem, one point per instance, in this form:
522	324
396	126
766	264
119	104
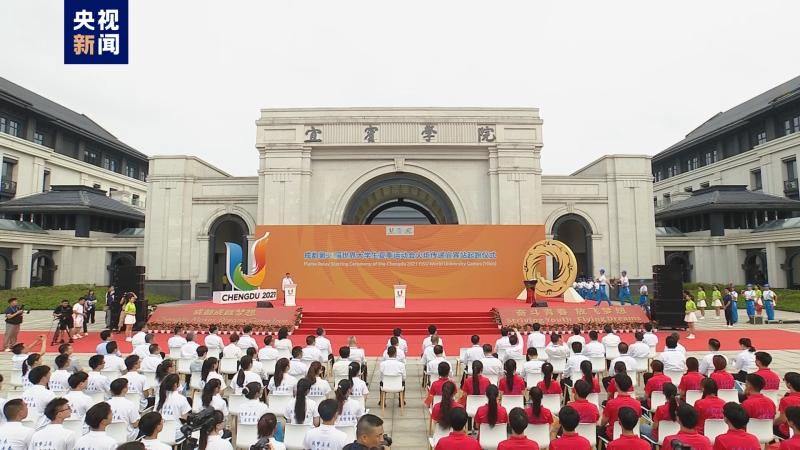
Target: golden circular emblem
563	259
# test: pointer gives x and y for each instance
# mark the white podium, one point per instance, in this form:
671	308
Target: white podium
399	296
288	295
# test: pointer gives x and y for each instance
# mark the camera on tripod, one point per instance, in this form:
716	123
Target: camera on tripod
194	422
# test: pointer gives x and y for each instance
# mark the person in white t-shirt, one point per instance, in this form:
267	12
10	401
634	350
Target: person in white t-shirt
297	367
311	352
245	375
610	340
594	348
533	365
324	345
267	352
211	434
13	434
98	417
58	378
176	341
112	361
143	351
432	362
284	344
349	410
79	402
38	396
213	342
149	426
556	348
674	360
625	357
502	344
320	386
232	350
267	425
402	343
153	360
301	409
473	353
537	338
326	436
122	409
428	341
707	363
78	316
189	349
285	283
137	383
491	365
97	381
394	341
245	340
141	333
54	436
172	405
342	367
251	410
639	349
282	383
650	338
360	387
577	336
20	351
211	397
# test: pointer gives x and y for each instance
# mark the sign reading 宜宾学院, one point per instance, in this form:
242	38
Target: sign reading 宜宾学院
256	295
95	31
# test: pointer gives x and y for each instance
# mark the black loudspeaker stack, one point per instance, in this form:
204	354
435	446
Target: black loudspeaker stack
667	300
131	279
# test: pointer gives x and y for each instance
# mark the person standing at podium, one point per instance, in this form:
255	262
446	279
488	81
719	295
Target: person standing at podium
287	281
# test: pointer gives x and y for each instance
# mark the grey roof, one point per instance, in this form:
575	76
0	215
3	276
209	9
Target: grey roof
62	116
726	198
16	225
668	231
74	199
736	116
780	224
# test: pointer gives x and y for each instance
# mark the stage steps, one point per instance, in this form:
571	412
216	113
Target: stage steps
412	323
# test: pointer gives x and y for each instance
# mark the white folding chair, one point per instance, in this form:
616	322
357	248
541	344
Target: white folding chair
641	364
246	435
15	379
349	430
74	425
228	366
168	433
134	397
598	364
552	402
111	374
558	365
693	396
235	403
510	402
532	379
269	366
149	379
589	431
492	436
97	397
438	433
392	384
657	399
174	352
634	377
612	352
118	431
674	375
277	403
195	382
462	353
184	365
667	428
474	402
542	353
771	394
494	379
713	428
652	353
618	430
729	395
363	401
294	434
539	433
762	429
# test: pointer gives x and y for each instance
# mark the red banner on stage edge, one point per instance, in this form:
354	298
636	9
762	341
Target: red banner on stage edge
565	318
198	317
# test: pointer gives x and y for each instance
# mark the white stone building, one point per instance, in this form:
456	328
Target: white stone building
394	165
65	235
720	233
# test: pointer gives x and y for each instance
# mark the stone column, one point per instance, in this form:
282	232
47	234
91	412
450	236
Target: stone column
22	259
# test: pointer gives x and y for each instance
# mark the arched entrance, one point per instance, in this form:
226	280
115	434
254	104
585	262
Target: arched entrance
6	267
576	233
399	198
792	267
118	260
755	266
227	228
680	261
42	269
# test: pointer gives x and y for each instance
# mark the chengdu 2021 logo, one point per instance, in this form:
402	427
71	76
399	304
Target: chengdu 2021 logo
243	281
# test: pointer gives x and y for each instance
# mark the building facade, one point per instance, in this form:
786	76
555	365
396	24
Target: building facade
45	146
707	228
394	165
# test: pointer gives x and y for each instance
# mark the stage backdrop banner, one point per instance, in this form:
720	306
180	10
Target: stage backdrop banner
366	261
564	318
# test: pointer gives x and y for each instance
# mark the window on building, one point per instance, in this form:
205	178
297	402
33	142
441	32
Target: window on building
135	200
132	171
91	157
791	168
761	137
96	186
110	163
657	176
38	138
691	163
142	175
9	126
711	157
755	180
791	125
8	187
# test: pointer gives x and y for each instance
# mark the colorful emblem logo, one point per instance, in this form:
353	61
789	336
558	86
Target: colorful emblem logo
240	280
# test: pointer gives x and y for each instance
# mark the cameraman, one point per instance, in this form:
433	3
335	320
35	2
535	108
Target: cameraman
63	313
369	434
13	322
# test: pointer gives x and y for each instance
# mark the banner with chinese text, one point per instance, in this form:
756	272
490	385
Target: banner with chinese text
565	318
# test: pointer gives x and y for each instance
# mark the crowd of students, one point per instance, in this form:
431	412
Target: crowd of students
146	390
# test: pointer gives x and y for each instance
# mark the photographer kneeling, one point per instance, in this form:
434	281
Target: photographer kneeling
369	434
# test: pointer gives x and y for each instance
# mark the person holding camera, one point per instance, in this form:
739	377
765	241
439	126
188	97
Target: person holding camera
267	425
369	434
13	321
63	313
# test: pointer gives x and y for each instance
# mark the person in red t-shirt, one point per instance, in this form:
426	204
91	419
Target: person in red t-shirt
611	411
792	398
691	380
476	383
492	412
628	440
518	441
537	414
548	385
656	382
710	406
720	375
457	439
586	410
688	435
570	440
665	412
757	405
588	376
511	383
771	379
793	419
611	386
444	377
440	413
737	437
